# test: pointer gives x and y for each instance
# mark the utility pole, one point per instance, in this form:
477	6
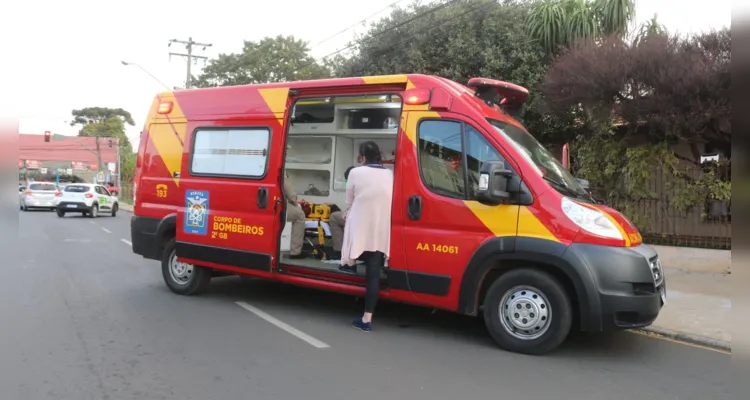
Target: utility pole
189	45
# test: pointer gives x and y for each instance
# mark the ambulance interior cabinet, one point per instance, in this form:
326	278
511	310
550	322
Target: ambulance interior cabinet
309	149
309	165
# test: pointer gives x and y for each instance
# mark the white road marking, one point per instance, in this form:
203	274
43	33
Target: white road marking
126	242
92	222
106	230
290	329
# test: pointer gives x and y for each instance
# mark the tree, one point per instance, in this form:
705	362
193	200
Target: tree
272	59
660	89
103	122
559	24
459	40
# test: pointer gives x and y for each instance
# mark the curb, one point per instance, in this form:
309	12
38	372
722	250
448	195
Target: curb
688	338
126	207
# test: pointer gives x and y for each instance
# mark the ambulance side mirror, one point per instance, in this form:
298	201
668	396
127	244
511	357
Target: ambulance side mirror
493	187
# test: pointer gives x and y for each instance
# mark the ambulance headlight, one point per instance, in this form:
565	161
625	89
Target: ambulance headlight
590	220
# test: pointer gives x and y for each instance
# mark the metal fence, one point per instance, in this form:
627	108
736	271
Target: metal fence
707	226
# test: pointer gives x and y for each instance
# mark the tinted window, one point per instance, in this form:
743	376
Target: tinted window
440	157
305	113
76	189
241	152
373	118
42	186
478	150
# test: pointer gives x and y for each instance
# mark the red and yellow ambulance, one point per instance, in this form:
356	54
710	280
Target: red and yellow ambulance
485	220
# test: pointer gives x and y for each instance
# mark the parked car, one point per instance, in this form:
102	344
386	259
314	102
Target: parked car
38	195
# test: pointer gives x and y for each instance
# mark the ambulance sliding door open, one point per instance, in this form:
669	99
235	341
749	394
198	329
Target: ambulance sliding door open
322	143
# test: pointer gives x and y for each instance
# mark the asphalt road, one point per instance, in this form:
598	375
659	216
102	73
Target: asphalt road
84	318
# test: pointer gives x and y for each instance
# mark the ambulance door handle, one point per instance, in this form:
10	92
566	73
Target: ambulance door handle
415	207
262	198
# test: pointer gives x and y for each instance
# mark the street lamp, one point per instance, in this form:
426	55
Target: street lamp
125	63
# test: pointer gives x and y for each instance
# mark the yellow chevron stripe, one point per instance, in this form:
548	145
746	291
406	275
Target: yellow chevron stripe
500	220
530	226
412	120
384	79
164	134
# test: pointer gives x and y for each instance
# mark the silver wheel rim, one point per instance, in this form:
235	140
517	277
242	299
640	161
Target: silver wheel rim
181	272
525	312
94	211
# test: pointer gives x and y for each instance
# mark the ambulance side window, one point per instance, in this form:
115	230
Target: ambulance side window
440	155
239	152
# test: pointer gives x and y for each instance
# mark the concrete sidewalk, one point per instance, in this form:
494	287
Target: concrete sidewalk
698	306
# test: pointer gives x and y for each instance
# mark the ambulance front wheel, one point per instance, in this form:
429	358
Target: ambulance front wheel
183	278
528	311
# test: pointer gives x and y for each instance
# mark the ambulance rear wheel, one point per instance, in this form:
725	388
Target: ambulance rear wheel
528	311
183	278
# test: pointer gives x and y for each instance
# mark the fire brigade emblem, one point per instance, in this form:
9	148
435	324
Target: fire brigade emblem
196	212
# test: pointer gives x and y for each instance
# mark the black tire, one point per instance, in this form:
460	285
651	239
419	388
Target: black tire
199	279
94	211
60	213
527	283
114	210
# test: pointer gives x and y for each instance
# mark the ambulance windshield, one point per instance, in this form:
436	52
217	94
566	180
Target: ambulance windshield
545	164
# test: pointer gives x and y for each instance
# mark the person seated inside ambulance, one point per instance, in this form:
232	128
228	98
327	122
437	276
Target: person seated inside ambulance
337	221
296	216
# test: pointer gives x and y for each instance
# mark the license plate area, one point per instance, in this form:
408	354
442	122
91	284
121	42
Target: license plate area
72	205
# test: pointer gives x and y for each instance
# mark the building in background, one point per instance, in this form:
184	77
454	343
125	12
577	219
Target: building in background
66	155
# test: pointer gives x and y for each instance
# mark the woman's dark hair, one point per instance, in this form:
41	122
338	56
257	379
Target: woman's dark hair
346	173
371	152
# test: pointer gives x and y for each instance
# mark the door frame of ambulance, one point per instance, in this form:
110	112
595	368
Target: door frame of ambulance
244	241
345	91
437	255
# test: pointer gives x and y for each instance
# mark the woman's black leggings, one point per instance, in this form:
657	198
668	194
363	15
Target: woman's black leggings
374	263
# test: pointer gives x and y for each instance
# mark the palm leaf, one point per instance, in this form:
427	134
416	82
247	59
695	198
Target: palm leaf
582	21
546	23
615	16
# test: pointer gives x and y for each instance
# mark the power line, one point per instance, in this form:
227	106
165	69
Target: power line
189	44
356	24
414	18
420	15
481	7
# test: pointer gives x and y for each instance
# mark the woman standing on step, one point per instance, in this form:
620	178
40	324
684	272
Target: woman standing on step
369	193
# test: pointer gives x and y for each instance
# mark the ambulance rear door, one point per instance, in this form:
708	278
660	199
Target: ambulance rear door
230	189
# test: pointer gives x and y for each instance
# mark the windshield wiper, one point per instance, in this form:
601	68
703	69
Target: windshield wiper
564	188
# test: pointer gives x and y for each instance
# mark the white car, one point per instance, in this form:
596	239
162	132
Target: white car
87	199
38	195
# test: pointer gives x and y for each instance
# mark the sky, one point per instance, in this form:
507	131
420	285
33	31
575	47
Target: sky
67	54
